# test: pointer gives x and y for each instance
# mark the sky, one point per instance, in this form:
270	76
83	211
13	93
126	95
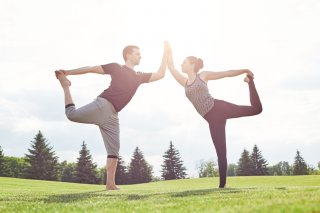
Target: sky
279	41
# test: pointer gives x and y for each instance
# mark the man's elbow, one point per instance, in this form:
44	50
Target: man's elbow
97	70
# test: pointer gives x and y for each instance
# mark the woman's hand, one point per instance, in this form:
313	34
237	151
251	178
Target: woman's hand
169	54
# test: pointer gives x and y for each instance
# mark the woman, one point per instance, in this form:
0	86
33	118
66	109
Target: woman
214	111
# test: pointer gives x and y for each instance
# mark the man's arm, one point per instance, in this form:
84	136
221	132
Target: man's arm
84	70
161	72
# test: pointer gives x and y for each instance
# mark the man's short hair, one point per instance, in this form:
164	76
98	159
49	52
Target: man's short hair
128	50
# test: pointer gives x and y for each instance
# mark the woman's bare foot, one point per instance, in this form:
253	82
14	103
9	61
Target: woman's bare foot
246	79
114	187
63	79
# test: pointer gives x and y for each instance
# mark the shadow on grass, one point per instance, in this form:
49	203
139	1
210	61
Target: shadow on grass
281	188
68	198
76	197
205	192
139	197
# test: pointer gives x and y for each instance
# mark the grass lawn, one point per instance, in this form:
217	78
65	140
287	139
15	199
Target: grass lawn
243	194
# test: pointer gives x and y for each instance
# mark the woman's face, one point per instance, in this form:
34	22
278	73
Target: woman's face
186	66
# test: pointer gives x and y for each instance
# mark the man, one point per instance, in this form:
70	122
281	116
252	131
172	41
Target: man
104	110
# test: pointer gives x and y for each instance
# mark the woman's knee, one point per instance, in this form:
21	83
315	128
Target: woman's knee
258	109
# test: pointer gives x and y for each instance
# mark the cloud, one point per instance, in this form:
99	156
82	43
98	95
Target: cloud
278	41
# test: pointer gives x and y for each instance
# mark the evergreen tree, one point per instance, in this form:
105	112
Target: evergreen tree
2	163
172	167
86	169
244	164
299	166
121	172
258	162
139	170
43	162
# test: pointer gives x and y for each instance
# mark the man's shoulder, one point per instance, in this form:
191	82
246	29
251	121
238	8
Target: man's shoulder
110	67
114	64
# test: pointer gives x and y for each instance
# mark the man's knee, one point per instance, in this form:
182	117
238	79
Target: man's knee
70	112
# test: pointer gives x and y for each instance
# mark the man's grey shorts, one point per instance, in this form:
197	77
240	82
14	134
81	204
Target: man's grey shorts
101	113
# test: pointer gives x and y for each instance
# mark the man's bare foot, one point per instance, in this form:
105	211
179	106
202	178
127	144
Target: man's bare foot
63	79
114	187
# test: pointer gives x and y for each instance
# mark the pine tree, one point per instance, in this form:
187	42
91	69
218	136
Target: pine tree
172	167
86	169
299	166
258	162
139	170
43	162
2	163
121	172
244	164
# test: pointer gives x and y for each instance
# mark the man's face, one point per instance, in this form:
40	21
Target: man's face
135	56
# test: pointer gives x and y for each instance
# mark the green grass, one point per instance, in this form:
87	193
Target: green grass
244	194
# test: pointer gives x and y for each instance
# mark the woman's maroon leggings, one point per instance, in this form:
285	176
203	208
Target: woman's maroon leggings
217	118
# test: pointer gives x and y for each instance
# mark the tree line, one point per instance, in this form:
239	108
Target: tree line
254	164
42	163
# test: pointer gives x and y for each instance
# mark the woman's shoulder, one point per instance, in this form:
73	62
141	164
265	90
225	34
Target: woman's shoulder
203	76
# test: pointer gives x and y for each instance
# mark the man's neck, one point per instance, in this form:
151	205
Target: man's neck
130	65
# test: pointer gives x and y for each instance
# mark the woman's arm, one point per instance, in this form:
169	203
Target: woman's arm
175	73
209	75
161	72
84	70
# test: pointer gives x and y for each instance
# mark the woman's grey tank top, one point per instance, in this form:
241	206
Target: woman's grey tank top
198	94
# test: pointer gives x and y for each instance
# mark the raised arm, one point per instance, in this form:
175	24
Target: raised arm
161	72
175	73
209	75
84	70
